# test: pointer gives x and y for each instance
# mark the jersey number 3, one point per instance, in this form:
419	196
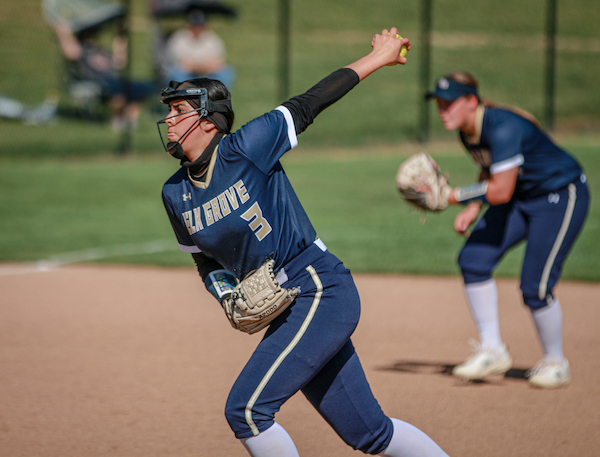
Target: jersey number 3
258	223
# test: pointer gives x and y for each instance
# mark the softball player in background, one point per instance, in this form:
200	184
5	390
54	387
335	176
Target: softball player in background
537	192
231	205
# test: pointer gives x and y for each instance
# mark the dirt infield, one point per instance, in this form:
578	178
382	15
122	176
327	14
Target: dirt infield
128	362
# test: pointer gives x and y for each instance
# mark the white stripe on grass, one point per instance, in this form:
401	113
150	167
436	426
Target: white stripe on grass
87	255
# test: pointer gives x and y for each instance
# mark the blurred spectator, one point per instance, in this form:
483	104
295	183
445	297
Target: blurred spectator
196	51
90	61
43	113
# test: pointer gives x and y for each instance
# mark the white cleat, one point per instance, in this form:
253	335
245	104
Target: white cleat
484	362
550	373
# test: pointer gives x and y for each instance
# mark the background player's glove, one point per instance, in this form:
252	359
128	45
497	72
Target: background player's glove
421	183
257	300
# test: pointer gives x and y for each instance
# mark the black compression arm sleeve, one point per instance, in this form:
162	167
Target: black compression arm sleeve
304	108
205	264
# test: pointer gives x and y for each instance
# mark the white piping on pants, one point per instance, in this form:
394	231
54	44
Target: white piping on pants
285	353
542	291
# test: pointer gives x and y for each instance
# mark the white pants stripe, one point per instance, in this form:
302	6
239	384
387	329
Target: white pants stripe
285	353
542	291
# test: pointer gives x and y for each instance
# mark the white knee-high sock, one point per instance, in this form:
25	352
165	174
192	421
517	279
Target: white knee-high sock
273	442
483	302
409	441
548	322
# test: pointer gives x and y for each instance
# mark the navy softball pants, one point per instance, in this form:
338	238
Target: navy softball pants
308	348
550	225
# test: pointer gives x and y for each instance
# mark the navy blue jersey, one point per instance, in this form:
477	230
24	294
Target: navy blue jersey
506	140
246	209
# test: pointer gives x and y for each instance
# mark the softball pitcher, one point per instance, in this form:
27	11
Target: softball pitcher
537	192
233	208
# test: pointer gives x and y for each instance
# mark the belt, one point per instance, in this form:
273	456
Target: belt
282	276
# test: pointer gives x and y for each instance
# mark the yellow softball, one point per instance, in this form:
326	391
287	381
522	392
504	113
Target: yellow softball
403	48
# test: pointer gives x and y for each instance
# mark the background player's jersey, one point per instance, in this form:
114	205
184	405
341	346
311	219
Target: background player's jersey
506	140
246	209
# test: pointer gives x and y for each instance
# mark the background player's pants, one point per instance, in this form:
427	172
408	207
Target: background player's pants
550	224
308	348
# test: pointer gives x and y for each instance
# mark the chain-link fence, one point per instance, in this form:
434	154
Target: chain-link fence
282	47
542	55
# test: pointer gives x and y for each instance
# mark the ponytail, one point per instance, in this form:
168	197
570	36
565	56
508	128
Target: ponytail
468	79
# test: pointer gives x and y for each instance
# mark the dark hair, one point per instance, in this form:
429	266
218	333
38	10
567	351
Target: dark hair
216	91
468	79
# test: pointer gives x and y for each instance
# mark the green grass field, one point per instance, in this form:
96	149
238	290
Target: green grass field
64	190
52	207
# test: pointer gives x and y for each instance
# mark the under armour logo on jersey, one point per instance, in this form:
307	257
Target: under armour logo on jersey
187	196
553	198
